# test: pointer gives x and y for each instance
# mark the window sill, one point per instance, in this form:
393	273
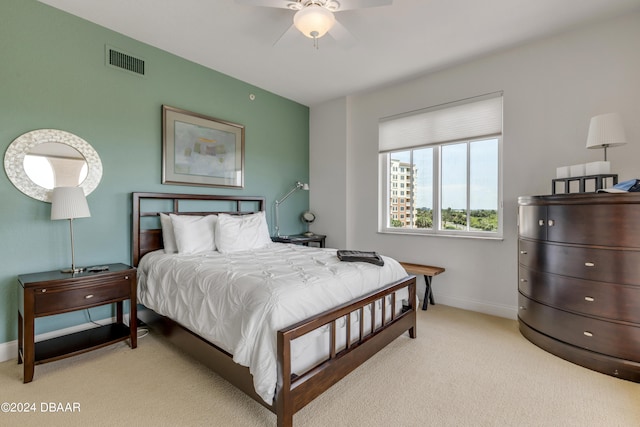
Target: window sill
455	236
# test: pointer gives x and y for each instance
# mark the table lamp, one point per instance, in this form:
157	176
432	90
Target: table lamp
299	185
69	203
606	131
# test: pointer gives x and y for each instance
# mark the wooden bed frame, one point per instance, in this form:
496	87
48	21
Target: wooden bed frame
292	392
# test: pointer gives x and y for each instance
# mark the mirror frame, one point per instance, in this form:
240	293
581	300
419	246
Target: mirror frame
20	147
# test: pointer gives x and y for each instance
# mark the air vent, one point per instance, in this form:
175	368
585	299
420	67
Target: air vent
123	61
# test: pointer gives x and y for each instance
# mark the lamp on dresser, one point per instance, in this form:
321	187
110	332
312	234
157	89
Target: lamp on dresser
69	203
605	131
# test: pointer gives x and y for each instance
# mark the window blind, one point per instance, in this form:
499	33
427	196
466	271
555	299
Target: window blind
469	118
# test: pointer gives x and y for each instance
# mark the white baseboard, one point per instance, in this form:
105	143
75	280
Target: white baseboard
509	312
9	350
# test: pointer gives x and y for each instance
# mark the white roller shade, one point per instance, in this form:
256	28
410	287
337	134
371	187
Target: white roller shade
469	118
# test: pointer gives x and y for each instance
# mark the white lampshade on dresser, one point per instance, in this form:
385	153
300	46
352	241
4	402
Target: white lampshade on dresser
605	131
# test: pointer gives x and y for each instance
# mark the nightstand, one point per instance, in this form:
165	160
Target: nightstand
54	292
301	239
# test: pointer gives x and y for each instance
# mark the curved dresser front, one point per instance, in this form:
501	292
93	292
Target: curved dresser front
579	279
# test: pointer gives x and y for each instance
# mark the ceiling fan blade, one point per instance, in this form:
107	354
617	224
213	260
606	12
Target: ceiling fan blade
361	4
343	36
287	38
281	4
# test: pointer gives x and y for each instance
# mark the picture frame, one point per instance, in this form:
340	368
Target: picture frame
201	150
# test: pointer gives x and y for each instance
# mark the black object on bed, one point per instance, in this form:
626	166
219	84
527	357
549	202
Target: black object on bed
360	256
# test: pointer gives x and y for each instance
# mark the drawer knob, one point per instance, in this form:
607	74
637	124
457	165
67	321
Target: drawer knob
523	252
524	280
522	307
88	296
126	277
587	334
541	222
589	264
590	299
551	223
43	291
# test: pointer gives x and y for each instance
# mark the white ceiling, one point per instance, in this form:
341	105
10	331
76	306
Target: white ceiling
396	42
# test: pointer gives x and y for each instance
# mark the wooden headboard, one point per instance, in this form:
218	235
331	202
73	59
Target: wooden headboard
148	237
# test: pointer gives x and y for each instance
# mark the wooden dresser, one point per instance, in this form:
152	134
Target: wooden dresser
579	279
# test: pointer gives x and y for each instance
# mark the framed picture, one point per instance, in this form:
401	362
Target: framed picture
201	150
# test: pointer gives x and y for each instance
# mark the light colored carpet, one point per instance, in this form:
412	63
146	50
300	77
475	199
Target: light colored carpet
464	369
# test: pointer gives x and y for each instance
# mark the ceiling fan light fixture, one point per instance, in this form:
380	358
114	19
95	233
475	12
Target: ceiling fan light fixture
314	21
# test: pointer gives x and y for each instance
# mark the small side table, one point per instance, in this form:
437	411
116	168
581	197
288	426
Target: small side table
301	239
429	271
54	292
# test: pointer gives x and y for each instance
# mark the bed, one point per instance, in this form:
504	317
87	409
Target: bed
343	331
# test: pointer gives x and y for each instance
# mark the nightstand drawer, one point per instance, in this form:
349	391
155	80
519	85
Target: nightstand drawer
58	300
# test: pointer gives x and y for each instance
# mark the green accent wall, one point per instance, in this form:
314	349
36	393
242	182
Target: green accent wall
53	75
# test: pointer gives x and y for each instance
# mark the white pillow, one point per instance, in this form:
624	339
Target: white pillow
242	232
194	234
168	237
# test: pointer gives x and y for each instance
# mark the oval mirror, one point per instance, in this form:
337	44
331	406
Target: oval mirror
53	164
40	160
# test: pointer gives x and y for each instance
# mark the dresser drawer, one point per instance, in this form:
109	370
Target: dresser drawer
614	339
603	265
601	225
608	300
81	295
532	222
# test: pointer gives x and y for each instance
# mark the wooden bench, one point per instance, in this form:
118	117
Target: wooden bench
428	271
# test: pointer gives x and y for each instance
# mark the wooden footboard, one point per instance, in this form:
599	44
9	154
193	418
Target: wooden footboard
293	392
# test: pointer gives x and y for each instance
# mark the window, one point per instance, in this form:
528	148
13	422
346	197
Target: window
450	155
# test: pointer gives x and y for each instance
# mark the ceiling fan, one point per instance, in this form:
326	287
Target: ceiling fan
315	18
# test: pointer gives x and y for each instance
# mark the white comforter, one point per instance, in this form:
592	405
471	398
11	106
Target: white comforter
239	301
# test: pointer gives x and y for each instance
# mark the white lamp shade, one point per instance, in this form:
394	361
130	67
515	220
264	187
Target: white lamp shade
606	130
69	203
314	21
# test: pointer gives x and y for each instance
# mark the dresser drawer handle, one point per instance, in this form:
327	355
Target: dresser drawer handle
589	264
523	252
524	280
88	296
126	277
523	308
551	223
541	222
590	299
587	334
43	291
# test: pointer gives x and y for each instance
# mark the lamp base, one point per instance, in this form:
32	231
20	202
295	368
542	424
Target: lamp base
73	270
308	234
